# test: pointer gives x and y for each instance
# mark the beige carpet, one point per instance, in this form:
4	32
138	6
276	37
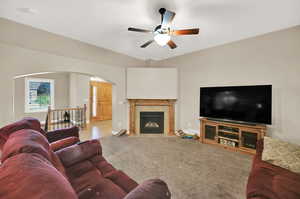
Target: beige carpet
192	170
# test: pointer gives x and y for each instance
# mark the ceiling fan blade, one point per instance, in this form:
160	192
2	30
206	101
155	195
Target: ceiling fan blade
171	44
139	30
167	18
147	43
193	31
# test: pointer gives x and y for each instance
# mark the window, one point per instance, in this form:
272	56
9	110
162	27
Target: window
39	94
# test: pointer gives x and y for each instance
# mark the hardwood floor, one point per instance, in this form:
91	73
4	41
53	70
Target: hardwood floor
96	130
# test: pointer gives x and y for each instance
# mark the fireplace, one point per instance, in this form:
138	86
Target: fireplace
151	122
151	116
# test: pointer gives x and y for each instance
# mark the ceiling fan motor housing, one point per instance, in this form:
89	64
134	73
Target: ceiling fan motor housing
158	29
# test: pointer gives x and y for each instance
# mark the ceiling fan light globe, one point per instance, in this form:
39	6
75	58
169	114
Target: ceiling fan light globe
162	39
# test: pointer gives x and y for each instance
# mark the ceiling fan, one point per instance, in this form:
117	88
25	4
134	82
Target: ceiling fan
162	33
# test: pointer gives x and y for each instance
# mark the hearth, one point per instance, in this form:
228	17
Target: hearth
151	122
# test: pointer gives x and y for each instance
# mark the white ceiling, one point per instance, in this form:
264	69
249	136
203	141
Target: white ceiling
104	23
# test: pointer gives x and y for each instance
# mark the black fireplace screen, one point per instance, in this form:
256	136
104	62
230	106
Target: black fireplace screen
152	122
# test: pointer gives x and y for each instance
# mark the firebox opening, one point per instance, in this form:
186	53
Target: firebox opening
152	122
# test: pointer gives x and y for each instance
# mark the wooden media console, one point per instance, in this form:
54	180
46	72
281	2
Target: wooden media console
232	136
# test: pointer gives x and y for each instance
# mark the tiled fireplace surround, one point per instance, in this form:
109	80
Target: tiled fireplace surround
151	105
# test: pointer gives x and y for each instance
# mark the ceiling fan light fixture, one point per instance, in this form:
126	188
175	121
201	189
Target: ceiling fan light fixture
162	39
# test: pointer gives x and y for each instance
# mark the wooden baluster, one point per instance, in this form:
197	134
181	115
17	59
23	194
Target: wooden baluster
81	121
77	117
78	112
64	123
67	123
47	120
71	117
61	119
69	120
56	121
84	112
52	120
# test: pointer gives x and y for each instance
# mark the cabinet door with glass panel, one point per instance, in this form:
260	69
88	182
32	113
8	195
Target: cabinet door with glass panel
249	138
210	133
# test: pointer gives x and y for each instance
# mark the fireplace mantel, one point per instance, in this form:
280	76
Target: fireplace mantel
151	102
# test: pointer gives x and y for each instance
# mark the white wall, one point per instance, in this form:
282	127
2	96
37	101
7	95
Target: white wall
79	91
152	83
61	95
24	50
269	59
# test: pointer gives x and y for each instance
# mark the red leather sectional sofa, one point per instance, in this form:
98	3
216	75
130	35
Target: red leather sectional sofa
33	168
267	181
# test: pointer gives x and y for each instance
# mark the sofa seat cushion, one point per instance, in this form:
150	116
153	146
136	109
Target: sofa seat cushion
90	174
92	184
286	187
150	189
80	169
30	175
103	190
282	154
260	183
122	180
270	181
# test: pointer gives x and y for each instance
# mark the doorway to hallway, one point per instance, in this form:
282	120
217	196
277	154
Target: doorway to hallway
100	101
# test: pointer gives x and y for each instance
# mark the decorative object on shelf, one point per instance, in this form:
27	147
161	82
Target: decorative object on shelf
227	142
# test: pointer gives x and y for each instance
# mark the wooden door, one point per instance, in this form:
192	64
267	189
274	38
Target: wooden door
101	101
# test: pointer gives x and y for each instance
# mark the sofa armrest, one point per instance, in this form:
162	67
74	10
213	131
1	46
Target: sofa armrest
150	189
59	134
60	144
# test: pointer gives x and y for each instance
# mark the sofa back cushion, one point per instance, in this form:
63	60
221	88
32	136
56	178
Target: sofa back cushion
30	175
26	123
30	142
26	141
79	152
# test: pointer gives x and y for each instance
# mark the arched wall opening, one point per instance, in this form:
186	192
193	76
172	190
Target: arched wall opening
119	117
71	90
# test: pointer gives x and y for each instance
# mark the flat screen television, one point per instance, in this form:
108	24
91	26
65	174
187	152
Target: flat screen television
250	104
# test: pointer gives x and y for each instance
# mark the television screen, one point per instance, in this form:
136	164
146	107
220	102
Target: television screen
251	104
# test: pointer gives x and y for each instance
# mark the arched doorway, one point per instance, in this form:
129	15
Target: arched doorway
71	89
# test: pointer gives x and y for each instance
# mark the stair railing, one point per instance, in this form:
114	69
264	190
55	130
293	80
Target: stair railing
65	118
